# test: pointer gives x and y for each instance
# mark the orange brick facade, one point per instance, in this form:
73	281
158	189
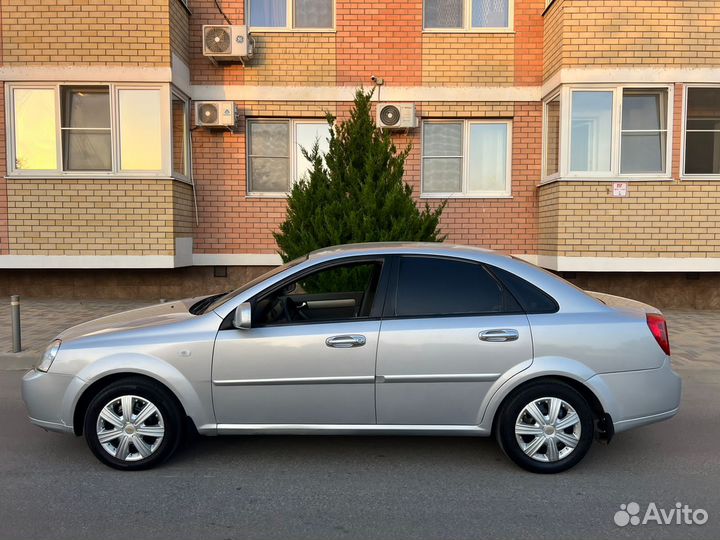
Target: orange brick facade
209	216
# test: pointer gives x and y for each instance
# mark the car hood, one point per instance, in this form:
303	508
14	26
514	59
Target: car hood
146	317
621	302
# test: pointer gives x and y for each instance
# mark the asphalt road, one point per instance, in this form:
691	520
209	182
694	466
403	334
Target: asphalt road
359	487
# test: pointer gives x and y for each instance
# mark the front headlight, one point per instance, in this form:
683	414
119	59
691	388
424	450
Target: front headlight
49	356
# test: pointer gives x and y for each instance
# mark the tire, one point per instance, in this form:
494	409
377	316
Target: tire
150	435
530	438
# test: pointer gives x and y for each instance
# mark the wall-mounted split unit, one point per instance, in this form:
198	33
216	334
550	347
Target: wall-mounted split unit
227	43
396	116
214	114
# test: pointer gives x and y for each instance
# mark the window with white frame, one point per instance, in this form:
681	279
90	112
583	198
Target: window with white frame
179	120
85	129
466	157
702	131
275	157
291	14
592	132
467	14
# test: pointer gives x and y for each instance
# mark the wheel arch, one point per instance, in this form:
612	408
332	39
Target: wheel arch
90	391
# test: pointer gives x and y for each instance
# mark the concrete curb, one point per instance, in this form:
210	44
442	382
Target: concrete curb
16	361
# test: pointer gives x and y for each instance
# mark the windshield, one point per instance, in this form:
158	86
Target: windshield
221	299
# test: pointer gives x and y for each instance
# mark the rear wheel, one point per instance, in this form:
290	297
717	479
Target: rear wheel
545	427
133	424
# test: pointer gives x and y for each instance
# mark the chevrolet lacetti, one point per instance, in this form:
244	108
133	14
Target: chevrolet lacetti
416	339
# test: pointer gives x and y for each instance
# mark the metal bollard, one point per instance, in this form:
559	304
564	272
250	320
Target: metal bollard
15	316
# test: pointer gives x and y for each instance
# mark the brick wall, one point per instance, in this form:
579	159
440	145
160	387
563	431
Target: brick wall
131	32
382	38
180	30
468	59
657	219
96	217
230	221
629	32
379	37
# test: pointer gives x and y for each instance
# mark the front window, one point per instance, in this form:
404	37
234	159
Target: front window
293	14
644	131
467	14
85	114
343	292
86	129
466	158
702	131
275	157
607	133
591	131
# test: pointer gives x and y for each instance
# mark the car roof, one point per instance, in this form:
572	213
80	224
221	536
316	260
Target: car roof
417	248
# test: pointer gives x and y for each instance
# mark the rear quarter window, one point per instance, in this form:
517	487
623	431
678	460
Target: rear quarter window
531	298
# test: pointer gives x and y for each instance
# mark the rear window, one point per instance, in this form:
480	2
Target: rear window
442	287
531	298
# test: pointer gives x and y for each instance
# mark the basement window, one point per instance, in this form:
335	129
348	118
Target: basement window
291	14
467	15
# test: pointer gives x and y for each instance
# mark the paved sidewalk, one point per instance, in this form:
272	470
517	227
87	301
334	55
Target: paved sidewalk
693	333
42	320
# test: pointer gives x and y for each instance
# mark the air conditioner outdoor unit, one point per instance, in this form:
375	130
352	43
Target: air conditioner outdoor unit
396	115
227	43
215	113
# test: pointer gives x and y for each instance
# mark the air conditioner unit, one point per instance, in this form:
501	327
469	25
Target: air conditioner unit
227	43
215	113
396	115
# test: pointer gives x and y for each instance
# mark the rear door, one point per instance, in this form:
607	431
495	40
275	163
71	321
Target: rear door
450	330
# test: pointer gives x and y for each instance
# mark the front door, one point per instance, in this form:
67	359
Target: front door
451	331
309	357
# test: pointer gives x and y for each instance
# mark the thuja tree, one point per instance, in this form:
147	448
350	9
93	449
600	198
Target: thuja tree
355	192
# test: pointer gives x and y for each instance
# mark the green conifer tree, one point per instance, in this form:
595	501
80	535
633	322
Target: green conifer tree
355	192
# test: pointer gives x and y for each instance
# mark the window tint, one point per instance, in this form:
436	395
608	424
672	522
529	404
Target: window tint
85	118
430	286
337	293
702	139
532	299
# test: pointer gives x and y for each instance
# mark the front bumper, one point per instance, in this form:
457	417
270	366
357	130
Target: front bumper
44	395
638	398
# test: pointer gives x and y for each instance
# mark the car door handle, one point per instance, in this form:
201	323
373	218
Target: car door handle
499	334
345	342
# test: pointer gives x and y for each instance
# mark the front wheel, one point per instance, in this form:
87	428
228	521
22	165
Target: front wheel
545	427
132	424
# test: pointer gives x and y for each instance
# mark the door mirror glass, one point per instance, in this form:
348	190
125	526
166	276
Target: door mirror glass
242	319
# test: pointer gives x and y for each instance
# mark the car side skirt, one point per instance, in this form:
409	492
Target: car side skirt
342	429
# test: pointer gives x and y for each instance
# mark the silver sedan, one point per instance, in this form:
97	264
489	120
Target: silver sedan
416	339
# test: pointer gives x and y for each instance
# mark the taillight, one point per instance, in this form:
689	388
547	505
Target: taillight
659	330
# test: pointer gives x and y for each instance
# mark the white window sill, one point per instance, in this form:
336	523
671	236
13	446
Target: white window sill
99	176
546	181
700	177
468	31
267	195
292	30
464	196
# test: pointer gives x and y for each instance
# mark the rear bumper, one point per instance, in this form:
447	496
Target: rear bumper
638	398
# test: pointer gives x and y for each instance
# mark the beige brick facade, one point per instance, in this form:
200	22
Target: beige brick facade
657	219
593	33
82	32
180	30
97	217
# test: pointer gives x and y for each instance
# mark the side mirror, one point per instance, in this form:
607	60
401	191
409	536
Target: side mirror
242	320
